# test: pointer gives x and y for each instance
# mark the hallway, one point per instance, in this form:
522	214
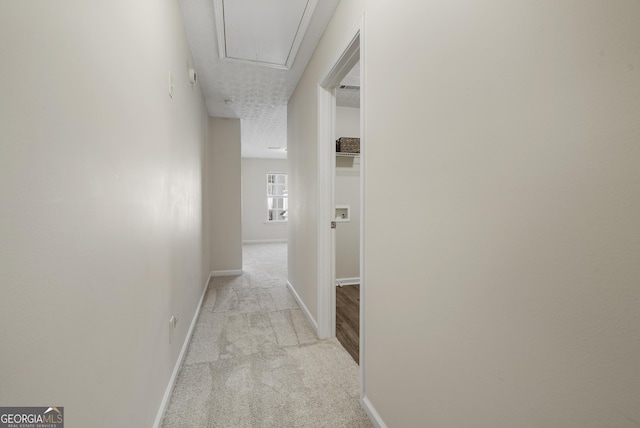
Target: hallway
254	360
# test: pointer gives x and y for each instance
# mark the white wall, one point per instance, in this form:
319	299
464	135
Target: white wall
348	193
347	122
101	206
254	201
226	192
507	133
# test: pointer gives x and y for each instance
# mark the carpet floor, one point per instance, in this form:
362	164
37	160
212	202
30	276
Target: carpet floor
254	360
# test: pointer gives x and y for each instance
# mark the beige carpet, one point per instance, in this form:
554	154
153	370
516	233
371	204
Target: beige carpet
254	360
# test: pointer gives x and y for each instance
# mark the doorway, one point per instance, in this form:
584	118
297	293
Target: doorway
348	57
348	212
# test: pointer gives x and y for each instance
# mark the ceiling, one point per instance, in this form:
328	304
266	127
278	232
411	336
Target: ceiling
348	92
249	56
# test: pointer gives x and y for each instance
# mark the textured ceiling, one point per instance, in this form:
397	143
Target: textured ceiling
256	94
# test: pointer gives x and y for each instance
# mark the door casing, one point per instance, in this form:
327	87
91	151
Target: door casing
352	51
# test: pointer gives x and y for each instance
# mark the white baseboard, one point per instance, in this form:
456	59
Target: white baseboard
305	310
347	281
225	273
172	380
371	412
265	241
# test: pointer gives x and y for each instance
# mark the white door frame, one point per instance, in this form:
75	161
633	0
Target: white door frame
352	51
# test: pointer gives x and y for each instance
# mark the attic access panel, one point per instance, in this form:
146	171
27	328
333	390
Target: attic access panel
262	32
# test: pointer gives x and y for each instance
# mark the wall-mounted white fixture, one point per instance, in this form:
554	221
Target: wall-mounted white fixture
343	213
192	76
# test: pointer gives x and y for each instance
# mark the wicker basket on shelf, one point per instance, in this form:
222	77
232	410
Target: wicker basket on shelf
348	145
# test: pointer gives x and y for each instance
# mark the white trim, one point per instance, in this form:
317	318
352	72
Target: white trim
276	221
347	281
218	9
344	61
363	152
172	380
264	241
302	31
372	413
226	273
303	307
325	203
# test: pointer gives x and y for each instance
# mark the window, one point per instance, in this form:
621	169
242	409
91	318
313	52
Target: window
277	203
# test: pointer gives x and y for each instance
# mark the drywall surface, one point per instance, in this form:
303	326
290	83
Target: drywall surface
255	227
348	233
225	179
347	122
347	192
509	139
101	206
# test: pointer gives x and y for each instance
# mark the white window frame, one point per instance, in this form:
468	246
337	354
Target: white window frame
277	190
